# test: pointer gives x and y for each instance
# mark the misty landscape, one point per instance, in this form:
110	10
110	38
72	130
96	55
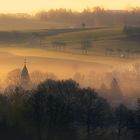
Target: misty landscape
70	74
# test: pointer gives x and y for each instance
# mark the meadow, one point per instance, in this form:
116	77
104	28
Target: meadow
101	38
37	47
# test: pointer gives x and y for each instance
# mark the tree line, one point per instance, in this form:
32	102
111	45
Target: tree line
95	16
61	109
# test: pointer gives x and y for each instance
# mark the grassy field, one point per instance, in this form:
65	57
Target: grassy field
42	56
39	43
102	39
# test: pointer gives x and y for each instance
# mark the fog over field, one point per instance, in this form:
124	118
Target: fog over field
89	71
69	70
94	57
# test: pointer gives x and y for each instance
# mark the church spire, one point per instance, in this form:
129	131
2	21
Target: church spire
25	61
25	78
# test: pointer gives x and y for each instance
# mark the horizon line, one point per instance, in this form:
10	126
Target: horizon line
73	10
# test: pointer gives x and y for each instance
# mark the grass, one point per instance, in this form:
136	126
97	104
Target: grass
95	35
102	38
38	52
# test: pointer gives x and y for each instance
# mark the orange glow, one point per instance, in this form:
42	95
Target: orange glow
31	6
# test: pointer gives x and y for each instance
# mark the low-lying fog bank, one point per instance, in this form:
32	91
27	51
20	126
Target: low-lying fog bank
99	75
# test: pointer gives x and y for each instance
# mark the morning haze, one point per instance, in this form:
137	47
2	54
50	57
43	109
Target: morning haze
69	69
31	6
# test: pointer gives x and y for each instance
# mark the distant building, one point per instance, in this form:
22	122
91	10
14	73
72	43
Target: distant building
25	77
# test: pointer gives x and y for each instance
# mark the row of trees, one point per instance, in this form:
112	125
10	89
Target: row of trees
124	53
13	77
96	16
59	110
85	45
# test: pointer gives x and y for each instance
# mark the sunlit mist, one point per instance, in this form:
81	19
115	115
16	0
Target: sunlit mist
31	6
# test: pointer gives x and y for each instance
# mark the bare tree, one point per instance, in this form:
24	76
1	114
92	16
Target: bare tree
59	45
85	45
38	76
109	51
13	77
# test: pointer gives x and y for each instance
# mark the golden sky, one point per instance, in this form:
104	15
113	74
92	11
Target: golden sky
29	6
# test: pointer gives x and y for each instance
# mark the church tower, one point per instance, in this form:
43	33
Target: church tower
25	78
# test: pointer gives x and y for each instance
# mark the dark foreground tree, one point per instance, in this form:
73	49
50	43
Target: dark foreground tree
52	107
60	110
135	123
92	110
122	118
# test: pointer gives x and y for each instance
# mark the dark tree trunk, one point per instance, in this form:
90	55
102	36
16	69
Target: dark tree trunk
88	123
39	132
119	134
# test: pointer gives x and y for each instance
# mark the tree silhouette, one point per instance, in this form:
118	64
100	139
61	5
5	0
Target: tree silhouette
121	120
85	45
91	109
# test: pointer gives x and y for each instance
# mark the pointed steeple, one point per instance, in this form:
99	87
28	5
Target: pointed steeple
25	61
24	73
25	78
